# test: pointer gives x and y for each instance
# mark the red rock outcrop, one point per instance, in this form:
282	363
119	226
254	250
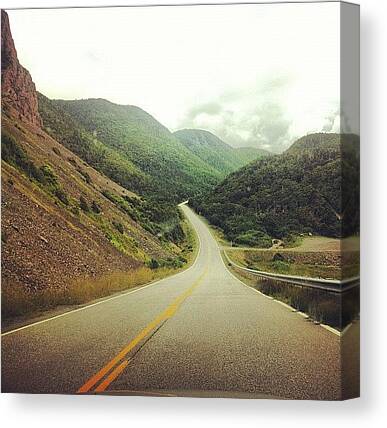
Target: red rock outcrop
18	91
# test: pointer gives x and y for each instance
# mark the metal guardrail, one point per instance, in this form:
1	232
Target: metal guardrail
333	285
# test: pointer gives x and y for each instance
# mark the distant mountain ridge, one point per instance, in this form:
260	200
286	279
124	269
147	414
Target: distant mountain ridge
216	152
134	149
323	141
248	154
160	165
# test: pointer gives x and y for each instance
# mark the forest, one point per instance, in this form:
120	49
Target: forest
312	188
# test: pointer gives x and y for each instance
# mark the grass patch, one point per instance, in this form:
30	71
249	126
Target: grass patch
19	301
190	246
293	241
334	309
315	265
44	175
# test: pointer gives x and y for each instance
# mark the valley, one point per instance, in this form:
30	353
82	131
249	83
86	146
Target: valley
144	259
311	188
91	189
89	195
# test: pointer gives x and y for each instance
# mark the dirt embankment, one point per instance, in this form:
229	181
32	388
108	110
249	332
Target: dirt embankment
44	243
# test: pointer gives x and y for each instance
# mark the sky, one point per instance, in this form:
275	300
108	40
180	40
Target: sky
255	75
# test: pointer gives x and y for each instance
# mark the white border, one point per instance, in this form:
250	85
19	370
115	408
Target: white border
37	411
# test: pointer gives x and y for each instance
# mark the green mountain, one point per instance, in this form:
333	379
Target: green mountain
215	152
128	145
248	154
312	187
73	135
324	142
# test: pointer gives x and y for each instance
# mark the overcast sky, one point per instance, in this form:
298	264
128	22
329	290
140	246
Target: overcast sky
255	75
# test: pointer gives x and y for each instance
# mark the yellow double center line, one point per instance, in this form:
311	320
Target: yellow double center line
163	316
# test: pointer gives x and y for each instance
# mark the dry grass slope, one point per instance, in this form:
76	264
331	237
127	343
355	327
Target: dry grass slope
17	300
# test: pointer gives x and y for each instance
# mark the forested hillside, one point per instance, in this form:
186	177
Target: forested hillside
70	132
215	152
312	187
129	146
248	154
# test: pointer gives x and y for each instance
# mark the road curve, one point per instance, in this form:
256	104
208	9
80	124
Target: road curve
198	333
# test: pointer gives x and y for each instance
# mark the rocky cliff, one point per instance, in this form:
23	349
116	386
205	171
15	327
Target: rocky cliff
18	92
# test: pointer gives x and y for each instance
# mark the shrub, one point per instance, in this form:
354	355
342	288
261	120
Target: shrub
254	238
15	155
109	195
83	204
56	151
95	207
61	195
280	266
12	153
72	161
132	200
176	234
153	264
292	240
85	175
119	226
48	176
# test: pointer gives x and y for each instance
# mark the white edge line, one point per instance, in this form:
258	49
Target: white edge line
108	298
327	327
284	304
333	330
302	314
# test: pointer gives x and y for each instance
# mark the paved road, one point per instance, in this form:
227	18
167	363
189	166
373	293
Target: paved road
200	332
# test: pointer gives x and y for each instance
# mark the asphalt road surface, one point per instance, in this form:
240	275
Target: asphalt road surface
198	333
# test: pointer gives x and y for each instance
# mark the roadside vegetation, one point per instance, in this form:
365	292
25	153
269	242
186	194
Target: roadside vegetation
323	264
17	300
333	309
